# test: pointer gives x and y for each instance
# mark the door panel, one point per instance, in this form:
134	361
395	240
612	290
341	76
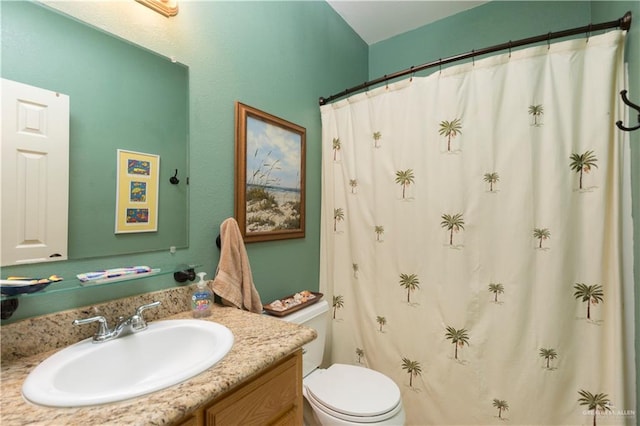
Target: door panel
35	174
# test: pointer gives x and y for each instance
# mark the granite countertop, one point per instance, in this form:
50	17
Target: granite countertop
259	341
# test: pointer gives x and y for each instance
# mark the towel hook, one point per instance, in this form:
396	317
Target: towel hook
623	95
174	179
9	306
184	273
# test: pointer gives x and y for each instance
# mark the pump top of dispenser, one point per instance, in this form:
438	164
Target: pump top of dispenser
201	283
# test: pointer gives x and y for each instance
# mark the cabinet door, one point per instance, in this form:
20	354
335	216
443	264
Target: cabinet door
274	398
35	174
189	421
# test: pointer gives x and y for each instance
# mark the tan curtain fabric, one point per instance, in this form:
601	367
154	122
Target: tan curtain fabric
471	238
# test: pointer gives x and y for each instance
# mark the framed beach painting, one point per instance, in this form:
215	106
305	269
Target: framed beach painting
270	176
137	192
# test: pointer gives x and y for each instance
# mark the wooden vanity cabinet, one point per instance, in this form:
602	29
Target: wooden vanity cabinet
273	397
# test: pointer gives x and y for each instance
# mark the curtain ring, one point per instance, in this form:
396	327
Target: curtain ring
589	32
411	78
473	57
549	40
386	82
440	65
509	49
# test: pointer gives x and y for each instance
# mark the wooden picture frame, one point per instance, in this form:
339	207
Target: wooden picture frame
270	176
137	192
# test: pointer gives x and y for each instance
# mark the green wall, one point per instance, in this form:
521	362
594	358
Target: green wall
493	23
279	57
500	21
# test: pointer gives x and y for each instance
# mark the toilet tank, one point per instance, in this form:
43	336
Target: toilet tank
316	317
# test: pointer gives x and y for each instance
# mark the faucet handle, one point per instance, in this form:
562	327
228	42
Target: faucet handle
142	308
103	328
137	320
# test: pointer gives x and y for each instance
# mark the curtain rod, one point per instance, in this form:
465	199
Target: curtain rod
624	23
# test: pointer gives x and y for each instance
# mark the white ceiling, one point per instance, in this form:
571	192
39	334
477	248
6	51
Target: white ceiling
377	20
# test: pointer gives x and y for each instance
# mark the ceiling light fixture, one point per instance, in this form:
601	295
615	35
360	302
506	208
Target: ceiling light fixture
165	7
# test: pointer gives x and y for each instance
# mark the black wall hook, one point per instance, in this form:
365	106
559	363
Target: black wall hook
174	179
186	273
9	306
623	95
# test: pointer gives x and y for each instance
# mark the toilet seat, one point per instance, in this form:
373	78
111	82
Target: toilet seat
353	393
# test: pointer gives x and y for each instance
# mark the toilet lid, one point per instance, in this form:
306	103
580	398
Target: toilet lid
354	391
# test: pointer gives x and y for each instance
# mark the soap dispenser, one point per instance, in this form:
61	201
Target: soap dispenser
201	299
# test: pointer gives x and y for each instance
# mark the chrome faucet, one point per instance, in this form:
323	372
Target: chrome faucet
133	324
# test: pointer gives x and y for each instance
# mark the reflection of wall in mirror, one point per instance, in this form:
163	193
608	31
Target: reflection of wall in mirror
122	96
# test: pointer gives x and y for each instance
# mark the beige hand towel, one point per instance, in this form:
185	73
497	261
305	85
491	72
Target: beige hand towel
233	281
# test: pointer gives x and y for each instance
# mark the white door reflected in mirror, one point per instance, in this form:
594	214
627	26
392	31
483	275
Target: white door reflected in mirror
35	174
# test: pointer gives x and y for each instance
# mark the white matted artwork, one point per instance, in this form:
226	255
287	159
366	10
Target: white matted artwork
137	192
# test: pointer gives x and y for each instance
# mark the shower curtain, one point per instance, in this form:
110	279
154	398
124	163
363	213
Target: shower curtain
471	238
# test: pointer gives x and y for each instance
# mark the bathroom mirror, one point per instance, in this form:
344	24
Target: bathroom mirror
122	96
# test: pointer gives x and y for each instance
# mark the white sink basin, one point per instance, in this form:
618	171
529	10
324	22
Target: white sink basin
166	353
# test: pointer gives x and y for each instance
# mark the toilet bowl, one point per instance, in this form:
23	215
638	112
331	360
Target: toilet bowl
351	395
342	394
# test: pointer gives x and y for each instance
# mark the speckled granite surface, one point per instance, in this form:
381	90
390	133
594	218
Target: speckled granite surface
259	341
40	334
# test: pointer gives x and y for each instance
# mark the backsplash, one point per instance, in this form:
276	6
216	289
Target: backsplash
44	333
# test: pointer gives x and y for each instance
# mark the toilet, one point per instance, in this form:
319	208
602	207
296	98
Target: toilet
342	394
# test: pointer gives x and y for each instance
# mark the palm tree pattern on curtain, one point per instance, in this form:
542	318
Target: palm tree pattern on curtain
492	178
466	293
536	111
501	405
450	129
594	403
413	368
548	354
